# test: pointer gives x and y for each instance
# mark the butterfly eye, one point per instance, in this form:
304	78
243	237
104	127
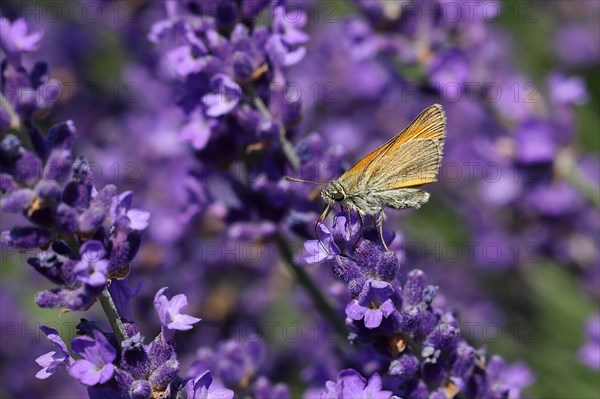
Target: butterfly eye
337	196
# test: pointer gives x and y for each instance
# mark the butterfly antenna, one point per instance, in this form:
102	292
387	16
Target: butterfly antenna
301	180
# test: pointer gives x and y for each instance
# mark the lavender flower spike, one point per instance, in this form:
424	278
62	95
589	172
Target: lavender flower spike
98	354
169	313
54	360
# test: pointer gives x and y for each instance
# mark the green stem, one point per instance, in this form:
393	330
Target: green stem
286	146
317	296
112	315
568	171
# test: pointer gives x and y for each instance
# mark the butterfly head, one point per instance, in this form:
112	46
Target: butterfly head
333	192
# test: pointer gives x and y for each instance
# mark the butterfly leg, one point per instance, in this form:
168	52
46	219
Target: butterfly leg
321	218
360	229
380	226
348	220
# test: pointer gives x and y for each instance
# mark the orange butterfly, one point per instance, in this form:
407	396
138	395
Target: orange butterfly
390	176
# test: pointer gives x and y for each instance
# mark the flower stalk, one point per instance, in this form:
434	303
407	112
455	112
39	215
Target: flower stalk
112	315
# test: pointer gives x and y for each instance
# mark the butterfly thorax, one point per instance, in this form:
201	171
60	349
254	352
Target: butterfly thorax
333	193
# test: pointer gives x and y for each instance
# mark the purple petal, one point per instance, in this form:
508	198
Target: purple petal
352	383
45	361
161	304
92	250
203	381
218	104
373	318
183	61
183	322
314	252
387	308
197	131
355	311
85	372
178	303
138	219
294	57
96	279
106	372
220	393
373	388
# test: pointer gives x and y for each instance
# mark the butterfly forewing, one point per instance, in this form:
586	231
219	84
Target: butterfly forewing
410	158
410	164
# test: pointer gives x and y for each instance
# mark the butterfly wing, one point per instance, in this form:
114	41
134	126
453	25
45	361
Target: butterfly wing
411	164
351	177
410	158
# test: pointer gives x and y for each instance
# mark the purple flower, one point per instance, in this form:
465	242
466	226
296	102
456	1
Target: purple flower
535	143
235	362
98	354
373	303
352	385
225	98
288	24
286	35
555	199
575	44
281	55
449	72
197	130
507	381
183	61
315	253
169	313
55	360
346	229
136	218
202	387
15	39
567	90
92	269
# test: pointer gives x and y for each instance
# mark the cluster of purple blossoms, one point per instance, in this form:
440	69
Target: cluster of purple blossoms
130	368
411	328
240	119
233	77
87	236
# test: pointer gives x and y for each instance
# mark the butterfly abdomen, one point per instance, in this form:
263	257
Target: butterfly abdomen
371	202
